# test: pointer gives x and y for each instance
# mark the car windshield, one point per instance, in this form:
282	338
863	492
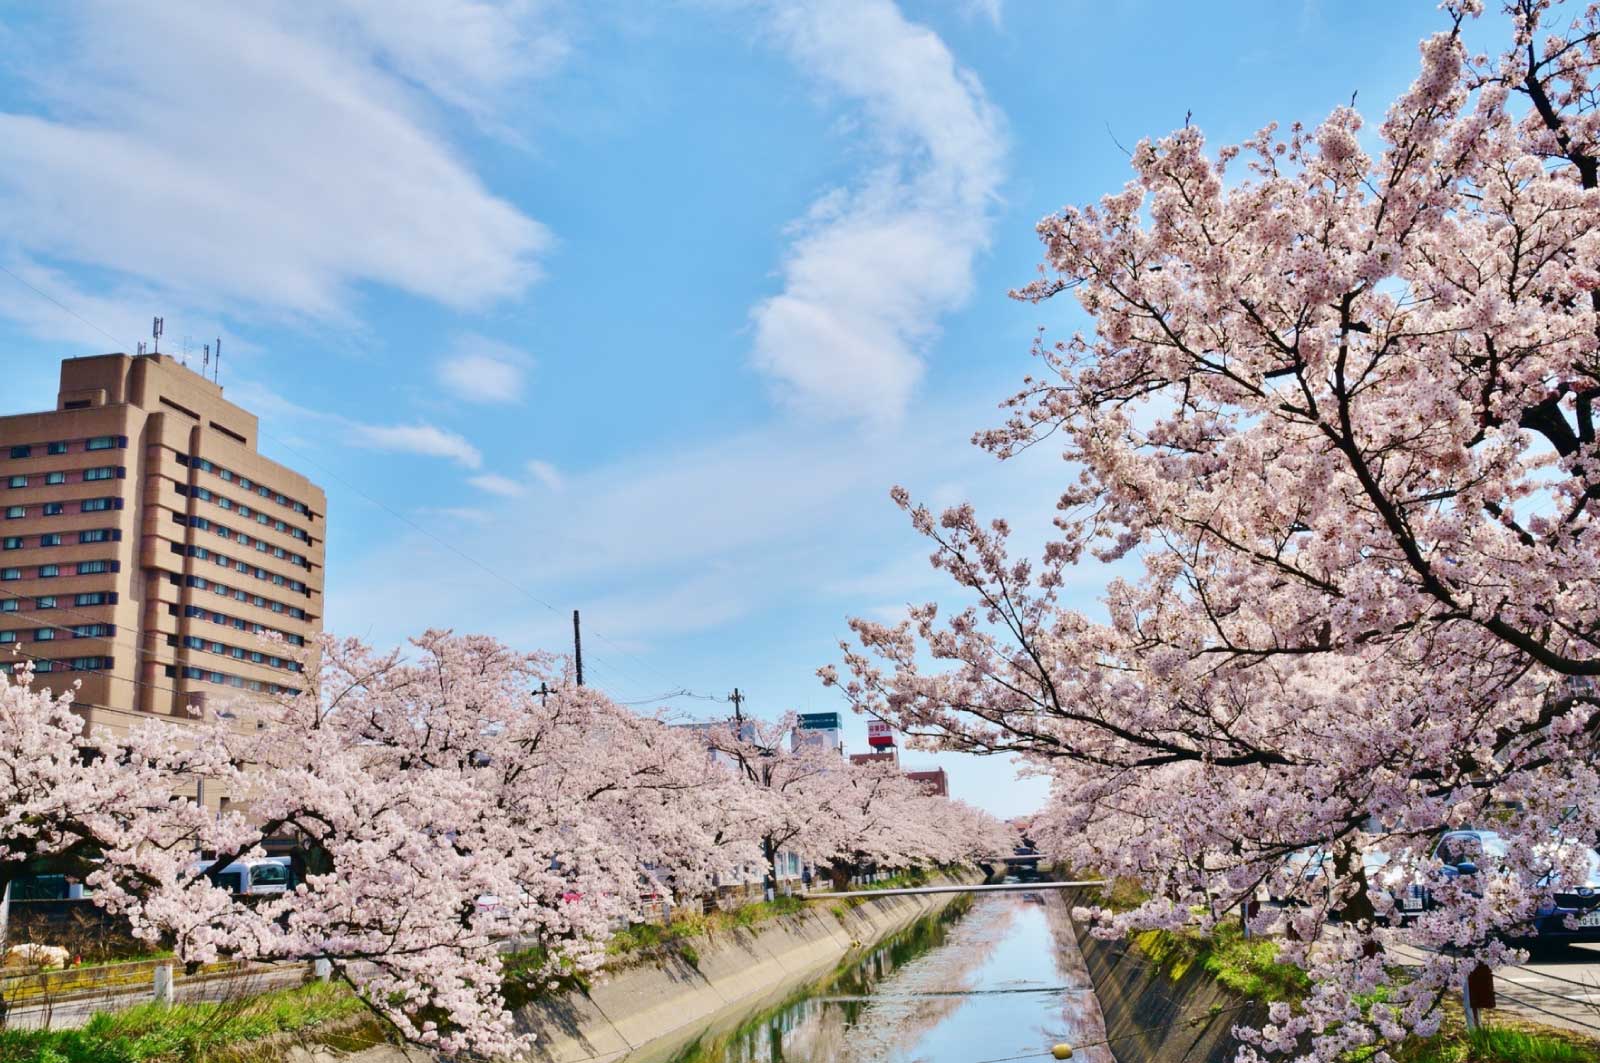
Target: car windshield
269	875
1456	849
1591	875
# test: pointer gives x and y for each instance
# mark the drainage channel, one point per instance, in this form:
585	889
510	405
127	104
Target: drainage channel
997	977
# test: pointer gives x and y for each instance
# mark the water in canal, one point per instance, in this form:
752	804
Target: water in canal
1001	977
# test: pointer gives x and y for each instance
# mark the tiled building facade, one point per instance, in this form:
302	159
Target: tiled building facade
145	545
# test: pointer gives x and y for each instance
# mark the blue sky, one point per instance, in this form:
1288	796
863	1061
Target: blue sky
635	308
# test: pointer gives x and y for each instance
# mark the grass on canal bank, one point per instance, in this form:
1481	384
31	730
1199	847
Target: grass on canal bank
219	1032
1504	1042
1248	966
526	979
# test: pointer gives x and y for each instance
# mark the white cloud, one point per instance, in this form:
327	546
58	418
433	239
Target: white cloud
872	269
423	439
482	370
503	486
993	10
268	157
546	474
458	513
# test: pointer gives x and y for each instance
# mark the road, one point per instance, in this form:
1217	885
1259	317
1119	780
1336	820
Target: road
1556	989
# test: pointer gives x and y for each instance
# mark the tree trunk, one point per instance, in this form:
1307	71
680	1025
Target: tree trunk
769	849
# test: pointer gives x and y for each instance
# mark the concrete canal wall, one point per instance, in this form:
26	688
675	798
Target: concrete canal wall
657	1008
1153	1017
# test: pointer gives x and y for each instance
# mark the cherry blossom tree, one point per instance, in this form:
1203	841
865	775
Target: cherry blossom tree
840	815
1338	405
788	786
453	808
446	810
101	809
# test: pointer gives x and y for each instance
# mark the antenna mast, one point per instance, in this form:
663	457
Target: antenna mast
157	327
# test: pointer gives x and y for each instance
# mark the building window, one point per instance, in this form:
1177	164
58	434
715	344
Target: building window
50	539
10	605
7	636
57	477
17	481
22	451
96	598
91	631
91	568
16	512
45	634
51	571
101	443
12	542
53	509
10	573
45	601
103	472
96	505
95	535
58	447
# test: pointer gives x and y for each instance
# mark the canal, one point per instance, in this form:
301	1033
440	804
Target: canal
995	977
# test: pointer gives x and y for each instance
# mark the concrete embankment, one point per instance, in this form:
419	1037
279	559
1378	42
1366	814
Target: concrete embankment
1154	1015
653	1010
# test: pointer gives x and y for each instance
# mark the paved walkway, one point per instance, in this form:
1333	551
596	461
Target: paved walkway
1556	989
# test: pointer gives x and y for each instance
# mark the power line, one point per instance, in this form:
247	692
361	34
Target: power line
62	306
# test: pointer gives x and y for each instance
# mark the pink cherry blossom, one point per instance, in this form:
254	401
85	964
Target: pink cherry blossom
1338	406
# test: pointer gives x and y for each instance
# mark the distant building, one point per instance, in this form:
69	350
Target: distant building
888	757
934	779
880	736
145	543
820	729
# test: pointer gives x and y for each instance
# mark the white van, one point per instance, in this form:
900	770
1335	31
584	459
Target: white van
267	874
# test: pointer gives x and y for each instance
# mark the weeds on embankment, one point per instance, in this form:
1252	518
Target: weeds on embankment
184	1033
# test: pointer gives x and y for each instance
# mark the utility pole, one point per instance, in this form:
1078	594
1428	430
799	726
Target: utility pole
577	646
738	700
543	691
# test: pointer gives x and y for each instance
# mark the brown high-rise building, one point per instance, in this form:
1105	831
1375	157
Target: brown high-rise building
145	545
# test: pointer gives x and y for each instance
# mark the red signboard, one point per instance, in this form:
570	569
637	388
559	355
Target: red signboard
878	734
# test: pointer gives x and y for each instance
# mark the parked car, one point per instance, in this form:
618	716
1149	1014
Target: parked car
1464	853
1308	867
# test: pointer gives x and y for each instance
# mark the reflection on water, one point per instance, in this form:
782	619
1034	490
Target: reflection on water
1002	979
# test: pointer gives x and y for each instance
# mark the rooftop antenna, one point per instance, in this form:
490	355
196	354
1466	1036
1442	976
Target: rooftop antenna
205	364
142	346
216	368
157	327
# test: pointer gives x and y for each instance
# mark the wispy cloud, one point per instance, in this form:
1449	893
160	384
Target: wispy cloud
872	268
546	474
482	370
495	484
424	439
142	170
